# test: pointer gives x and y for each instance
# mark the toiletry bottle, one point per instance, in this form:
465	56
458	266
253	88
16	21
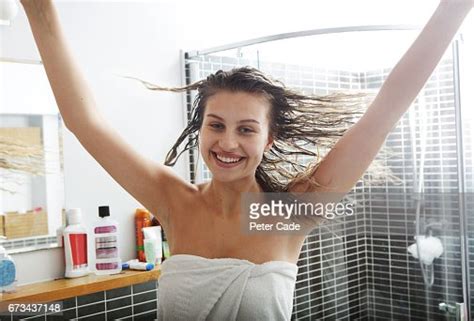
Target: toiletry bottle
105	231
150	244
136	265
159	243
142	219
166	248
7	271
153	233
164	242
75	245
155	222
158	232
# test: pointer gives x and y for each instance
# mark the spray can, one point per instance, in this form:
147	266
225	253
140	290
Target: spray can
142	219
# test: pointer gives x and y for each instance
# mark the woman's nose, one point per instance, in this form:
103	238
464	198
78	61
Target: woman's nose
228	142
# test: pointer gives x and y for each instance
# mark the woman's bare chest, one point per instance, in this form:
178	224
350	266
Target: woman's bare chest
200	231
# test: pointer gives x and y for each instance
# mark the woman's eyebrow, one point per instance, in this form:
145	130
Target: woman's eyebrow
240	121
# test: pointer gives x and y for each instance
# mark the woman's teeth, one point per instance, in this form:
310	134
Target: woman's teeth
227	159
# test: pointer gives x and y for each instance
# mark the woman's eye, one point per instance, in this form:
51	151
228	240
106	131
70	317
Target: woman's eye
246	130
243	130
216	126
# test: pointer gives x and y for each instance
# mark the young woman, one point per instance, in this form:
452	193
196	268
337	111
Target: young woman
243	119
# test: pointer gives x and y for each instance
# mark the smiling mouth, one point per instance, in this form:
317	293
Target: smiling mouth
227	160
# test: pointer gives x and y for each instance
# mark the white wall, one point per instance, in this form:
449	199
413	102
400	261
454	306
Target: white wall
143	39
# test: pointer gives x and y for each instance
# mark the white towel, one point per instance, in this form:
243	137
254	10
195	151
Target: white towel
196	288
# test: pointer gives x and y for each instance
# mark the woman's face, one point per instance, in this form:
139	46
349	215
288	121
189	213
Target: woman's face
234	134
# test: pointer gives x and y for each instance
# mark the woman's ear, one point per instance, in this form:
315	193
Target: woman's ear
269	143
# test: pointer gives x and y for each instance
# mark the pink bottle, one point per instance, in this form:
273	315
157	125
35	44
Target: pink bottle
105	235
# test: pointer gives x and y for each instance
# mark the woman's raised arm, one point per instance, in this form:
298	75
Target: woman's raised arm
351	156
73	97
150	183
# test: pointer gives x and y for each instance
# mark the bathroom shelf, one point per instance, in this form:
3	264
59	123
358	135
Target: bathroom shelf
60	289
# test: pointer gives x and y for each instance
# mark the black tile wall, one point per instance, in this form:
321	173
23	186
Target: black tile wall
120	313
137	302
396	286
117	293
90	298
120	302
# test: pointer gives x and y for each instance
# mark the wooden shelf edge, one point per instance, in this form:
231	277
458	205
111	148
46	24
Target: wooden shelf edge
60	289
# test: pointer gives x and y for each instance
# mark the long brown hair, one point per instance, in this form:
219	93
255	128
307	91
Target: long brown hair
299	124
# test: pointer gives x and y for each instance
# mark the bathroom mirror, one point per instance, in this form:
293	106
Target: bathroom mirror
31	158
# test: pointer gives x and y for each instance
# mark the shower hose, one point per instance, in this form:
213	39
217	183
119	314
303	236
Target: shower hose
418	186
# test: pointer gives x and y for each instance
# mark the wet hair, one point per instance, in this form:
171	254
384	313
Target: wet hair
300	124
